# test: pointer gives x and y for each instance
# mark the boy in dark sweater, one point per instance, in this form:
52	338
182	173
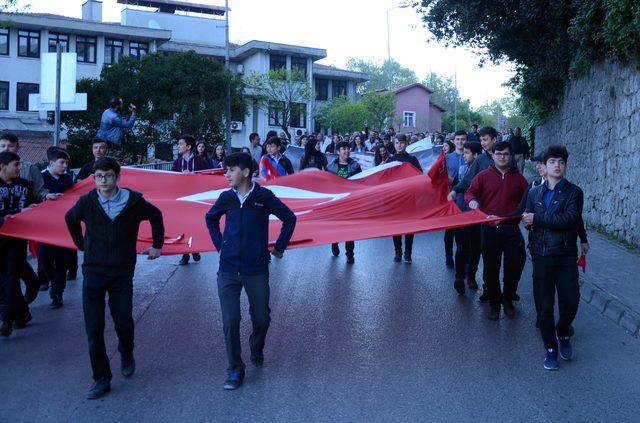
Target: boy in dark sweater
16	194
244	258
53	260
402	156
112	218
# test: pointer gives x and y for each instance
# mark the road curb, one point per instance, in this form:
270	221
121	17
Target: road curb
610	306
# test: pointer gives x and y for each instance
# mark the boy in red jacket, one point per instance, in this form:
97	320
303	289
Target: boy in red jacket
497	191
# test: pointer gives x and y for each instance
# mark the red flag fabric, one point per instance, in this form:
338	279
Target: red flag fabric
582	262
267	169
391	199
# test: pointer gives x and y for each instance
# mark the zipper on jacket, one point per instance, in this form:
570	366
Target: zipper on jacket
240	249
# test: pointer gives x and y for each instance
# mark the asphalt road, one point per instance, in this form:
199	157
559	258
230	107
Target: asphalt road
376	341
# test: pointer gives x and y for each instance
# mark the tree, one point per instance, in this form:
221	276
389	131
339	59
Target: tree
380	108
343	116
175	93
283	93
379	74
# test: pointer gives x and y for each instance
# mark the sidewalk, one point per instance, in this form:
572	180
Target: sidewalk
610	283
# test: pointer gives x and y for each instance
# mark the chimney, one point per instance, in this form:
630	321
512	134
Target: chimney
92	10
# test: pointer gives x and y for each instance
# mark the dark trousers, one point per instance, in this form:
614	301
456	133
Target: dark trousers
449	236
349	246
30	278
550	275
408	244
468	247
72	265
55	263
94	289
13	254
257	289
497	242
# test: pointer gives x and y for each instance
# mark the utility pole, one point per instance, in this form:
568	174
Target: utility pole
228	72
455	103
56	134
389	72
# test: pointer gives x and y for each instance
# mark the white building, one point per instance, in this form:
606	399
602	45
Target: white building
149	26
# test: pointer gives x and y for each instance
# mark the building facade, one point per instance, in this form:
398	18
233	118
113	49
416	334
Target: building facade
415	112
150	26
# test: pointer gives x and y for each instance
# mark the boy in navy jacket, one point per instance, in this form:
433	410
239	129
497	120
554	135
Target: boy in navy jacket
244	257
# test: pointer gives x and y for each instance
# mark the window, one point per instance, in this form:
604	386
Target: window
277	61
409	120
4	41
4	95
86	49
28	43
63	39
113	51
276	113
299	64
339	88
322	89
298	115
138	50
22	97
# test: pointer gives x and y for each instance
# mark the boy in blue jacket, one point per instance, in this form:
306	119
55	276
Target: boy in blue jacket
244	258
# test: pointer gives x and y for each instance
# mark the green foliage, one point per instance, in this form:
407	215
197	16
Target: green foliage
343	116
282	93
380	108
380	73
549	41
175	93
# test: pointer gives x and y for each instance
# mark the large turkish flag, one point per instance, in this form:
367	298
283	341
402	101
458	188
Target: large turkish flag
391	199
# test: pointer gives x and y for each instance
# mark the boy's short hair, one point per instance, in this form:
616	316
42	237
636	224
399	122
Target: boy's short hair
555	152
242	160
98	140
401	137
56	153
460	133
115	101
106	164
473	146
7	157
189	140
253	135
342	144
11	137
488	130
475	125
274	140
501	146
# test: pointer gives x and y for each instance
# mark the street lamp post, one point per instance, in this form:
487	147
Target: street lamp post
227	69
389	75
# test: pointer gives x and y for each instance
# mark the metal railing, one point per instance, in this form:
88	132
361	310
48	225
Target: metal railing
154	166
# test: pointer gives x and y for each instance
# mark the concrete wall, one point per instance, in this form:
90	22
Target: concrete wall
599	122
415	100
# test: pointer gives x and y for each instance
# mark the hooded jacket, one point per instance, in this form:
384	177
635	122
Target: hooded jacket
353	167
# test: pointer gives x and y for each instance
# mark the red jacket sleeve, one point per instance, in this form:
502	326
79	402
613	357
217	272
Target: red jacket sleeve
475	190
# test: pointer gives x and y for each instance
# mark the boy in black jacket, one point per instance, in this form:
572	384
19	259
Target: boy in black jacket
553	217
55	261
16	194
402	156
244	258
112	217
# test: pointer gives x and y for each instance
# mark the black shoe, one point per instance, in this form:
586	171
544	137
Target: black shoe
99	388
471	282
56	302
127	366
335	250
458	285
234	380
22	322
449	261
509	310
494	314
407	258
30	295
257	360
196	257
397	258
72	276
6	329
184	260
351	260
484	298
44	287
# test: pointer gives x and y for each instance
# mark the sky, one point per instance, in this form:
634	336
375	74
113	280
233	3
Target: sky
344	28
